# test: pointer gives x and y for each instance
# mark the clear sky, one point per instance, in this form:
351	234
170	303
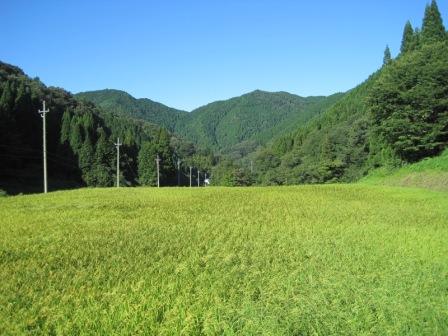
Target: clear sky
187	53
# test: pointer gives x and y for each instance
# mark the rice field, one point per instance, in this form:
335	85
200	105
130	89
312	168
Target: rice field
310	260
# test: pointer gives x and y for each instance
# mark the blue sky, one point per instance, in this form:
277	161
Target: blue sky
188	53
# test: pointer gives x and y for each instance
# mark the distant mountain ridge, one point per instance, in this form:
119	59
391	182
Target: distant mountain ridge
123	103
255	118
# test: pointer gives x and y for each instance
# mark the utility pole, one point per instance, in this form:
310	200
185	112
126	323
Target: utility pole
199	178
158	171
205	178
178	172
118	144
251	166
191	168
43	112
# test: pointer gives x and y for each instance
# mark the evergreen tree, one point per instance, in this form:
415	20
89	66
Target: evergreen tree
7	99
85	157
409	105
103	160
65	127
165	152
387	56
147	174
433	29
409	38
75	135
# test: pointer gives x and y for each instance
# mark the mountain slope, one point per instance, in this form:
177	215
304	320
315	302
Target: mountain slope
398	116
255	118
80	139
430	173
124	104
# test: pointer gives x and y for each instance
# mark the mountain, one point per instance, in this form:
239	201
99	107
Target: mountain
396	117
250	120
80	141
256	117
123	103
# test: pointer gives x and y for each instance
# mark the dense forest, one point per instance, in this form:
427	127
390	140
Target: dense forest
399	115
240	124
80	141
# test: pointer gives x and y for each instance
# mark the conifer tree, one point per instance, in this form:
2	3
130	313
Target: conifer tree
65	127
103	160
167	169
433	29
408	42
7	99
86	161
147	173
387	56
75	135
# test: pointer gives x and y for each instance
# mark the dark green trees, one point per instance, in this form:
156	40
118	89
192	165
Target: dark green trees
387	56
80	139
149	152
147	165
103	164
433	29
409	103
410	39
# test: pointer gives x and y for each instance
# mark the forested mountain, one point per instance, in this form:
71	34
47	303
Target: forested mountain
124	104
256	118
80	140
240	124
399	115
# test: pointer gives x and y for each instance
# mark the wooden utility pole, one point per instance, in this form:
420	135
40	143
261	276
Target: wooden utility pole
118	144
178	172
43	112
199	178
191	168
158	170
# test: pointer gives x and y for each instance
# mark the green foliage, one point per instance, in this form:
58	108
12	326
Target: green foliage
332	147
410	39
147	170
332	260
433	29
430	173
409	104
124	104
387	56
66	128
224	126
80	139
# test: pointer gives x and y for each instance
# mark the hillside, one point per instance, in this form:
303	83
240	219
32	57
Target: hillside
124	104
80	140
398	116
258	117
250	120
430	173
337	259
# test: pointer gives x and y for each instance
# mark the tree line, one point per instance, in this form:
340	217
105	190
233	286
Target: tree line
399	115
80	141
